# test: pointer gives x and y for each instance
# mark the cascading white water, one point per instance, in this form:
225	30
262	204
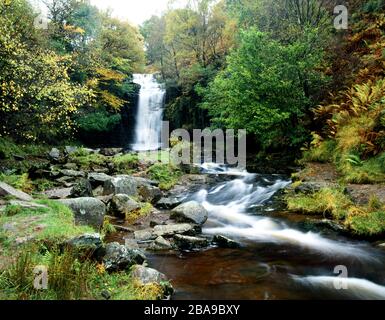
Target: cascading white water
150	113
231	205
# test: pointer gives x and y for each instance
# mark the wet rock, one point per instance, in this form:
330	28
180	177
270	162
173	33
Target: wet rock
7	190
98	179
161	244
72	173
190	212
190	243
121	205
88	211
150	194
87	244
98	191
224	242
168	203
144	235
119	257
110	152
82	189
121	185
173	229
54	154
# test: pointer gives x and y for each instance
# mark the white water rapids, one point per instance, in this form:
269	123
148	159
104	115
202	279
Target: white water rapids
232	207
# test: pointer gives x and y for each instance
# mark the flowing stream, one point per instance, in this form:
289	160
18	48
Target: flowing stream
279	258
150	113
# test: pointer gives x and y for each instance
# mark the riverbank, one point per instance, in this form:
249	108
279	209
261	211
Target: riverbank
358	209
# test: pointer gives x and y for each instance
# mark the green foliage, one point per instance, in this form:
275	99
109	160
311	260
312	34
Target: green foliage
263	89
99	121
87	160
126	163
166	174
373	6
21	182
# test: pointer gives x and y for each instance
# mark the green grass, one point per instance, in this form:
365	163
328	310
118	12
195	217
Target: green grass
324	152
87	160
69	278
145	209
368	221
53	224
328	201
166	174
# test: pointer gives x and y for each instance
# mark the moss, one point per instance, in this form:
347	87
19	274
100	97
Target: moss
8	148
366	223
146	209
126	163
87	160
329	201
166	174
323	152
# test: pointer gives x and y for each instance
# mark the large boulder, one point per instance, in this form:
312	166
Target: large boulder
121	205
150	194
190	212
88	211
123	184
145	276
58	193
87	244
190	243
98	179
7	190
119	257
82	189
173	229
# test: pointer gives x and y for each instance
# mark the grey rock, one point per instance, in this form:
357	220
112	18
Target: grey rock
109	152
173	229
7	190
146	275
54	154
121	205
98	192
119	257
131	244
88	211
150	194
168	203
224	242
86	243
98	179
190	243
121	185
190	212
59	193
161	244
82	189
72	173
70	166
26	204
308	187
144	235
70	150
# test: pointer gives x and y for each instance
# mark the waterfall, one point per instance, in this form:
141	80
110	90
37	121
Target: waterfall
150	113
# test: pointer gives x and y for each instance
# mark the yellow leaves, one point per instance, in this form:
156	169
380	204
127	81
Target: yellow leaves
111	100
106	74
73	29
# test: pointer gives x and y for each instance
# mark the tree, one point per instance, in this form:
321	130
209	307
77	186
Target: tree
262	90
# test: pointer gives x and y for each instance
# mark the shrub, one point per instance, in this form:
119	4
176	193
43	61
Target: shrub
167	175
